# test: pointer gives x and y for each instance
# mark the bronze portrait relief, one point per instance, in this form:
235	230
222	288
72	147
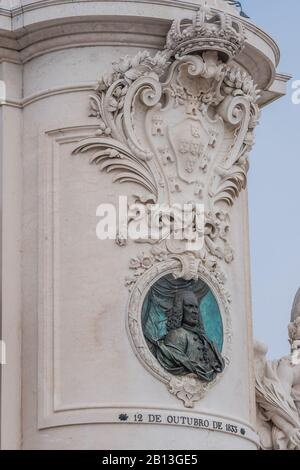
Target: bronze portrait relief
183	328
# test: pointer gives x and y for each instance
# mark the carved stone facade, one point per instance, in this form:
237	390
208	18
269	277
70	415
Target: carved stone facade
170	123
180	124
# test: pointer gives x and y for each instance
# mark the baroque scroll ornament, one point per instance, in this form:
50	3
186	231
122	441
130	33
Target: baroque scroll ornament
179	125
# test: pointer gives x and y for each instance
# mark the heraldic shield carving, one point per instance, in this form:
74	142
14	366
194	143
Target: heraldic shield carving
179	125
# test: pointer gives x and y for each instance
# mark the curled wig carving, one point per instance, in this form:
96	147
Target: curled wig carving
175	316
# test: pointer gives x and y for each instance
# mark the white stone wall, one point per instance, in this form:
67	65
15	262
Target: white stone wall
64	296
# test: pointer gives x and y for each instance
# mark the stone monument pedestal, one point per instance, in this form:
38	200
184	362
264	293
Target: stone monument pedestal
173	125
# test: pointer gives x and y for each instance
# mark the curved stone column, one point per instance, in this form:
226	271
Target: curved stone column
171	123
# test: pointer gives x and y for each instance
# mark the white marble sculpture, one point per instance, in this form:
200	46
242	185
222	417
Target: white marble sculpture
278	392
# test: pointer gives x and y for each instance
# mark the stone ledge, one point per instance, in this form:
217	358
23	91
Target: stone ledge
30	29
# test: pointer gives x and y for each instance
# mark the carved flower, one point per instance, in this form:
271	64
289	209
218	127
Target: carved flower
147	262
134	263
142	261
188	389
191	386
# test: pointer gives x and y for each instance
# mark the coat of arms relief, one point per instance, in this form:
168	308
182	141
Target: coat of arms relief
178	126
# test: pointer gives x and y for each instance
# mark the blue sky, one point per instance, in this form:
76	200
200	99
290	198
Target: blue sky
274	186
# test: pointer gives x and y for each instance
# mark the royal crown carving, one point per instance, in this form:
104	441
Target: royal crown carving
207	31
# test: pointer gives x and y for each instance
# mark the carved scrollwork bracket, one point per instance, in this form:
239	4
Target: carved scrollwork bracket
179	125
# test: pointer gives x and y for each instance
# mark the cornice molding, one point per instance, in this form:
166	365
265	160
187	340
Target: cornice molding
38	28
81	87
30	6
175	4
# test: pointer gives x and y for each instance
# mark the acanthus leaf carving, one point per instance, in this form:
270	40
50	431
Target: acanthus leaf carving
113	156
